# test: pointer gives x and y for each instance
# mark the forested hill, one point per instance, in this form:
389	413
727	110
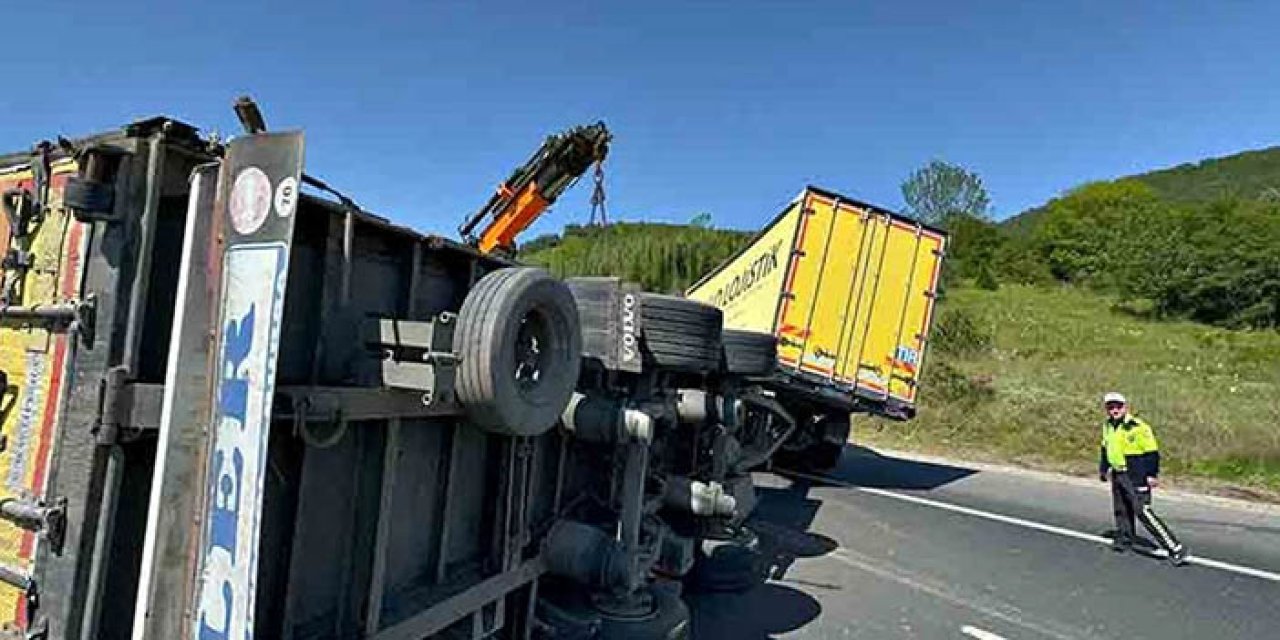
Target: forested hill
666	258
1250	175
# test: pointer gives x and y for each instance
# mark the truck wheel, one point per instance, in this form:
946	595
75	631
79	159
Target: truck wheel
831	432
818	442
519	344
823	456
668	620
749	353
732	565
680	334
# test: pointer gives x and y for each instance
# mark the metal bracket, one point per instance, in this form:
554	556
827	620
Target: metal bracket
22	210
132	407
416	355
37	628
356	404
106	429
78	316
126	407
50	521
17	259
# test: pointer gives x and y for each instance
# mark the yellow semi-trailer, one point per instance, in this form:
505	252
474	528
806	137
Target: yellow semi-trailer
848	288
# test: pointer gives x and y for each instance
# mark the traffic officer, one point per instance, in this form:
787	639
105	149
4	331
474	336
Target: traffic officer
1130	459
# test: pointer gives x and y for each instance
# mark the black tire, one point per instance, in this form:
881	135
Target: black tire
835	434
827	436
749	353
86	195
823	456
520	344
567	617
730	566
669	620
680	334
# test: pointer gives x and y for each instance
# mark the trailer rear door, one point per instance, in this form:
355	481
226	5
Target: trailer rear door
859	298
43	251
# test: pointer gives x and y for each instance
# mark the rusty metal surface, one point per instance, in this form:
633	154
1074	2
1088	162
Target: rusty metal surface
258	200
184	406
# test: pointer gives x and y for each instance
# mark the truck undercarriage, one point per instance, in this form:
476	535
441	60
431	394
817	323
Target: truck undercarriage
285	417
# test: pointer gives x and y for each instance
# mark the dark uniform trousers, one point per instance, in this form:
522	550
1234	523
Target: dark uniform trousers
1131	500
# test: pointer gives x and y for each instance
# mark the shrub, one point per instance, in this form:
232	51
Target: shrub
958	332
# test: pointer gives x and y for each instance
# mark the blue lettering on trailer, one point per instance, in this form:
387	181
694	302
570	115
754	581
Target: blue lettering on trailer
233	403
252	303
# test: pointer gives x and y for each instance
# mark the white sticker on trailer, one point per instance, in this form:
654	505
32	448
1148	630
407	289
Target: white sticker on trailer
286	197
250	200
252	303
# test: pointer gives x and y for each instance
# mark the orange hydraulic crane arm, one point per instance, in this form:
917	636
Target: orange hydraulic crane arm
552	169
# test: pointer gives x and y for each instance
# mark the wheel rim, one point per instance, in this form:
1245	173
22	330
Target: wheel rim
531	350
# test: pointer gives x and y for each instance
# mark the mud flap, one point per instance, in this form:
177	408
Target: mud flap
254	213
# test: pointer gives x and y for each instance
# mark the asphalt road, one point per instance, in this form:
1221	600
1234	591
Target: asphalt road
897	548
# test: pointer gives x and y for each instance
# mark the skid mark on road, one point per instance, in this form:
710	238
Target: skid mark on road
1031	524
990	607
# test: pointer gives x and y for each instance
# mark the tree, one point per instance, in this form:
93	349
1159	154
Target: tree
952	197
939	190
1096	230
972	251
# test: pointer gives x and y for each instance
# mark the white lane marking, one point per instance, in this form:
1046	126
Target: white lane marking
1029	524
992	608
1168	494
975	632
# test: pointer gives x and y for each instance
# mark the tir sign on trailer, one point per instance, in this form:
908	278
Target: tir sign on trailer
848	289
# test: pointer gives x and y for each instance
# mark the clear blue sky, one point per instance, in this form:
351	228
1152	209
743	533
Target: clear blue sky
419	108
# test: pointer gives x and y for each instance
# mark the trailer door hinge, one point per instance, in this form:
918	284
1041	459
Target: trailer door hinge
47	519
126	408
111	406
78	316
37	627
38	630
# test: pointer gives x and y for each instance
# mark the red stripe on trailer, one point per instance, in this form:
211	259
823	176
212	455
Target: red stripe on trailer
871	385
70	274
795	258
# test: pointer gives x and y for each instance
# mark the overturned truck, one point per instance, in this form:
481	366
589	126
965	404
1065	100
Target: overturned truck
236	405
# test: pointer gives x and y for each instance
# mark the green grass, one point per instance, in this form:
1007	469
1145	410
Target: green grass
1019	377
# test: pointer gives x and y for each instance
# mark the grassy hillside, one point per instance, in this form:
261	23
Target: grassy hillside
1016	374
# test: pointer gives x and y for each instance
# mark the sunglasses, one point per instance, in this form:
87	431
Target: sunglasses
1115	405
